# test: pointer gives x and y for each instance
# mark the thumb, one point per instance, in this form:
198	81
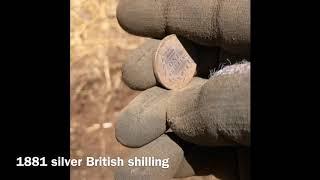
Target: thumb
144	119
218	112
209	112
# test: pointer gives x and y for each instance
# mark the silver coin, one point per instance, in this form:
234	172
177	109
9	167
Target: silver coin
173	66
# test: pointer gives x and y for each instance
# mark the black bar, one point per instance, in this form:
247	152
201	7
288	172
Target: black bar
36	87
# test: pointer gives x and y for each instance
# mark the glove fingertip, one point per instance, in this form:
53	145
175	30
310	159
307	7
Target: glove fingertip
136	78
144	119
130	133
137	72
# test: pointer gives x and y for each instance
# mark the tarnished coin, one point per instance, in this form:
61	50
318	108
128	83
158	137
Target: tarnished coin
172	65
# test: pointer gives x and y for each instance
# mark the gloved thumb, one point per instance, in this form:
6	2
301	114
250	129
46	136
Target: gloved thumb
211	112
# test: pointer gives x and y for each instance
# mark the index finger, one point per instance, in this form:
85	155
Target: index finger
207	22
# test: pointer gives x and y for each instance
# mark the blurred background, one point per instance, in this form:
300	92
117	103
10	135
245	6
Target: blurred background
99	47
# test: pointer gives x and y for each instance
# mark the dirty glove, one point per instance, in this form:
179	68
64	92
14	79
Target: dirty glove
213	112
223	23
175	158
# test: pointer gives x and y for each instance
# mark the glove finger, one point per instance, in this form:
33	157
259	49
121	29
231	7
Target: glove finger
221	162
225	104
207	22
208	112
144	119
138	72
216	113
167	157
179	159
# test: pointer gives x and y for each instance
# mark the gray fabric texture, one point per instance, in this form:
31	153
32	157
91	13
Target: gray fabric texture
214	112
143	120
184	160
137	72
218	113
162	148
223	23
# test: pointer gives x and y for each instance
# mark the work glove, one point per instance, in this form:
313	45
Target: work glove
203	128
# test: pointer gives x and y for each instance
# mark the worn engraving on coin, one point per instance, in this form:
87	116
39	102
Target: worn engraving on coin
173	66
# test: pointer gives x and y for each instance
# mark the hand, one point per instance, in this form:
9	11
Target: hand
221	23
212	112
186	159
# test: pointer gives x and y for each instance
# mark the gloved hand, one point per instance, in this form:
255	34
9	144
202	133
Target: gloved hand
213	112
223	23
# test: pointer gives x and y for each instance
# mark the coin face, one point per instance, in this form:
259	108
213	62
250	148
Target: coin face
172	65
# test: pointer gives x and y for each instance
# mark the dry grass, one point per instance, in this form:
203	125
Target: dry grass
98	49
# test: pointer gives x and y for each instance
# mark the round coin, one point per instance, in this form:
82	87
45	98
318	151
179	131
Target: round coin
172	65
